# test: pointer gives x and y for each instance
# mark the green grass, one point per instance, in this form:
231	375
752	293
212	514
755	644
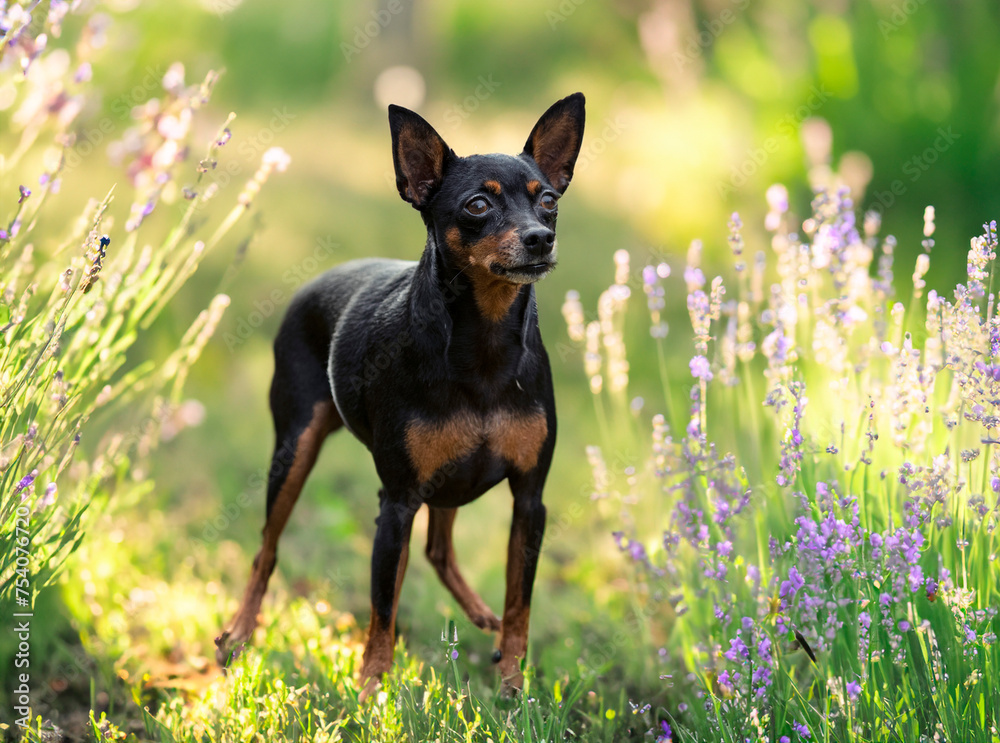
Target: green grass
137	558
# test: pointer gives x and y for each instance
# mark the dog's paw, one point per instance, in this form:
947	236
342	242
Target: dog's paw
511	675
489	621
227	649
511	687
372	685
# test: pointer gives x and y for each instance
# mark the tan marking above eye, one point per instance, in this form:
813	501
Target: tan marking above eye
516	437
493	186
534	187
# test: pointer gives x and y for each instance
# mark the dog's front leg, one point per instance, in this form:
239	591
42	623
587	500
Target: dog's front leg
389	556
526	531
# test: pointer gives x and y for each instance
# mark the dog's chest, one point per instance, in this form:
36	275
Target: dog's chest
515	437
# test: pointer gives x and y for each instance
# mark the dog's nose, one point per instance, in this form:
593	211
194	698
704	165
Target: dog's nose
539	241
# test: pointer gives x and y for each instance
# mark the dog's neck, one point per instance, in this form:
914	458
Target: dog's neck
494	349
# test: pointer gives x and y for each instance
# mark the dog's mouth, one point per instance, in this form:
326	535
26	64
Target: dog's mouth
525	273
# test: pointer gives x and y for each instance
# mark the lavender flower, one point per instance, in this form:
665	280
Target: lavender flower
25	482
700	368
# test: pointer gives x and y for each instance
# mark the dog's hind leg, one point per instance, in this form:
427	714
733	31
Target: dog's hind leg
441	553
304	415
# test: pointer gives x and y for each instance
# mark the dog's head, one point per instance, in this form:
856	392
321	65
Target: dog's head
495	213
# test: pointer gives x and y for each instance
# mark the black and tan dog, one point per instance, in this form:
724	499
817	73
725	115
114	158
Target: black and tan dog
438	368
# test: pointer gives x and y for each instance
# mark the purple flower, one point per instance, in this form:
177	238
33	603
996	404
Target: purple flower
784	739
25	481
694	277
454	655
667	732
792	585
25	193
764	648
725	680
636	550
737	650
700	368
853	689
801	729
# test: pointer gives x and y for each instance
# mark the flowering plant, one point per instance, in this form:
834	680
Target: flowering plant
826	568
72	306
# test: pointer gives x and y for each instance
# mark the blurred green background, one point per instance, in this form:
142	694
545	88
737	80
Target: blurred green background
694	108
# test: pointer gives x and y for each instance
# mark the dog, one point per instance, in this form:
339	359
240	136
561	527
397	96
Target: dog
438	367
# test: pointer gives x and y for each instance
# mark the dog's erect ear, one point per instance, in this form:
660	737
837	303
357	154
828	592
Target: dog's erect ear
555	141
418	154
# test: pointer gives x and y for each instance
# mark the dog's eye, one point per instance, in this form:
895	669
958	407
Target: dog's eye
477	207
548	202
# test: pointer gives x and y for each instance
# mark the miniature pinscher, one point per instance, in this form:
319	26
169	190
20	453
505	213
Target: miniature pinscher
438	367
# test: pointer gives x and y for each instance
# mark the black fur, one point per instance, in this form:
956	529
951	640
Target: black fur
391	341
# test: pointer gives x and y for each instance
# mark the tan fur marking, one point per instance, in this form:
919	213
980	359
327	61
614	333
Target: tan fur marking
239	630
494	298
534	187
431	445
453	239
518	438
514	625
493	186
515	437
419	157
494	295
553	145
377	658
441	553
